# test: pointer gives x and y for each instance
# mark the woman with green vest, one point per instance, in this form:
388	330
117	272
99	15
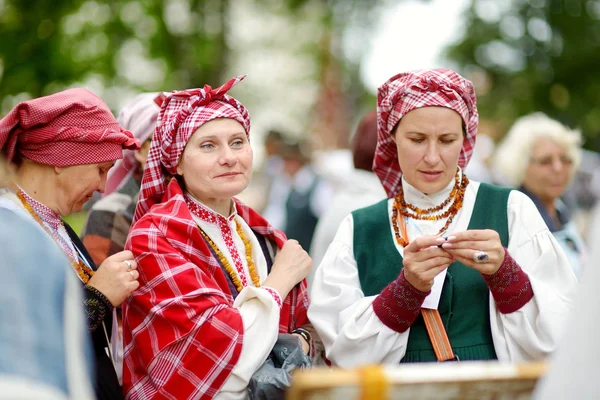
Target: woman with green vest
445	268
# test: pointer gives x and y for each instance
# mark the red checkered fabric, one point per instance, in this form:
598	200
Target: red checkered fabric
410	90
181	114
139	116
182	336
72	127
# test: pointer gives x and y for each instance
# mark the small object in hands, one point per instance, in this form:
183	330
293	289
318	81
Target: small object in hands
132	275
445	240
480	257
128	265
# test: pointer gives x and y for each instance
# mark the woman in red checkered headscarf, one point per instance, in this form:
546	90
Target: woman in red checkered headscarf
218	283
445	268
63	146
108	221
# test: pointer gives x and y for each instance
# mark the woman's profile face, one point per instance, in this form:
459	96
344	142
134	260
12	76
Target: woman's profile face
429	141
77	184
217	161
549	170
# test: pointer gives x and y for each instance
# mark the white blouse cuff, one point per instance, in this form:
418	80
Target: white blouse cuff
275	295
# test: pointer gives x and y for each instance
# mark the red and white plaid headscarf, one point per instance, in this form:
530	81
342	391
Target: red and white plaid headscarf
182	335
181	114
416	89
72	127
139	116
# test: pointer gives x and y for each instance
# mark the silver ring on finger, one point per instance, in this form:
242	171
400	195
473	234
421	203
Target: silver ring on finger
128	265
481	257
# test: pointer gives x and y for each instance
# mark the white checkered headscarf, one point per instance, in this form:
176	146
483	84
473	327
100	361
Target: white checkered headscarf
138	116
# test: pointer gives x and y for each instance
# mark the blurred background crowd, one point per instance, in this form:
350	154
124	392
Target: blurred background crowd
313	68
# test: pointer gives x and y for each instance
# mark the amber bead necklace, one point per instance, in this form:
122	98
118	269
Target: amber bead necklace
432	210
223	260
402	210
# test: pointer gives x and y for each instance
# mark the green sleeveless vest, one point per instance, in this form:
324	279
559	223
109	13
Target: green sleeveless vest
464	302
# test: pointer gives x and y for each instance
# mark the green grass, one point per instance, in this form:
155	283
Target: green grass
76	220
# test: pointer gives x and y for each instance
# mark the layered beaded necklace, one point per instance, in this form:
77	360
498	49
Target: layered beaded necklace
83	271
237	277
402	210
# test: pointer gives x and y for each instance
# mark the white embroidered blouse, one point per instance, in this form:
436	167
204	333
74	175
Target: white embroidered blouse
353	335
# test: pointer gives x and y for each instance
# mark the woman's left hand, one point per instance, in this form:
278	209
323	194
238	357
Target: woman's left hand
466	246
305	344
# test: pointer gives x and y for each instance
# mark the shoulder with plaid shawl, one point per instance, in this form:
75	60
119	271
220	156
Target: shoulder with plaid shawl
181	317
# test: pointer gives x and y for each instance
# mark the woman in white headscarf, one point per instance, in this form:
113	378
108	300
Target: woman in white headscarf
109	220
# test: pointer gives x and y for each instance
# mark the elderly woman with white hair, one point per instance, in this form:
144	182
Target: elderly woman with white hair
540	156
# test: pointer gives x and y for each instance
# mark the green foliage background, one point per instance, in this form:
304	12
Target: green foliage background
526	56
47	45
536	55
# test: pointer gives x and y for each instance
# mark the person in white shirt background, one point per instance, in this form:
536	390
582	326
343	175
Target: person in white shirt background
299	196
360	189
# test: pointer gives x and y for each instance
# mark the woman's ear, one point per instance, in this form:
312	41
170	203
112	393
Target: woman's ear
58	170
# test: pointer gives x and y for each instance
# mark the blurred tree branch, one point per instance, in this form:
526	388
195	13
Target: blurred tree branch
135	44
535	55
120	47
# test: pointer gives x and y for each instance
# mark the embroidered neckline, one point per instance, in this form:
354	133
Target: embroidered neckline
209	216
47	214
205	213
239	280
83	271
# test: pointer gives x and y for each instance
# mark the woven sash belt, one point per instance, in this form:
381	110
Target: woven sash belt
438	336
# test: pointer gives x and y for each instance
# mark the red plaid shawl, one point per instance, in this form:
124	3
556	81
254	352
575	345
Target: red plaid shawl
407	91
182	336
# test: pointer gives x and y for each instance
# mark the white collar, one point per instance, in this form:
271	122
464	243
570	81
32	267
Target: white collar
419	199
